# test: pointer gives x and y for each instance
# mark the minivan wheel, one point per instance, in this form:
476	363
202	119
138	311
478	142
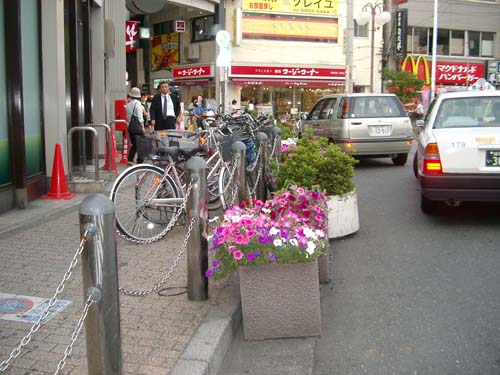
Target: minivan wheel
415	165
400	159
427	205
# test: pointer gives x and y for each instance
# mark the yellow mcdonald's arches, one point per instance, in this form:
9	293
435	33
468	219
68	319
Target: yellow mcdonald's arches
421	59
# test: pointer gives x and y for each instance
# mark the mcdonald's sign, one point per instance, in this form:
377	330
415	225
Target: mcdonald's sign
447	73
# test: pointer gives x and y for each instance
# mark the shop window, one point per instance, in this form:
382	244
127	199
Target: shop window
4	135
487	40
31	87
474	45
457	43
443	41
201	28
360	31
420	41
163	28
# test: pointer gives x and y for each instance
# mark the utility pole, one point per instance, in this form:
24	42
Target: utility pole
349	35
434	51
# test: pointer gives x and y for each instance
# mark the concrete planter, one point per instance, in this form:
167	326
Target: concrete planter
343	216
280	300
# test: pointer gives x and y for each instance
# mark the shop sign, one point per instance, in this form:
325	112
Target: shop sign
131	32
310	7
289	27
447	73
401	31
164	51
401	1
180	26
288	83
286	72
190	72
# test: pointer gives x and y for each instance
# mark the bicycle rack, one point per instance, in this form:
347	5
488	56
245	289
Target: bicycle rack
70	150
108	141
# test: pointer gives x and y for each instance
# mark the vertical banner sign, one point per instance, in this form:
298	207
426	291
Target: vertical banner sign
131	32
401	31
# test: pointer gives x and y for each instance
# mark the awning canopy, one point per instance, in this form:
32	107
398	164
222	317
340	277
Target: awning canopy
190	82
288	82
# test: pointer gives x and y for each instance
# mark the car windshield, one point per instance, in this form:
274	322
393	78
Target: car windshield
483	111
376	106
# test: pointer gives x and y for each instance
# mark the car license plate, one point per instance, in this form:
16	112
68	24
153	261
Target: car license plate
379	130
493	158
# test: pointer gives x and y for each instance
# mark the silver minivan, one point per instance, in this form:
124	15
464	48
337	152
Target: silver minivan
371	125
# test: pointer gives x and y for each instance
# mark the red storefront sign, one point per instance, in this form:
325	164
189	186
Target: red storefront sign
192	72
285	72
288	83
447	73
452	73
131	32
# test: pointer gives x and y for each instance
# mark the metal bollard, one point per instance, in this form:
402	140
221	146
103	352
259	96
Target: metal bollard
261	192
197	251
100	270
239	148
276	141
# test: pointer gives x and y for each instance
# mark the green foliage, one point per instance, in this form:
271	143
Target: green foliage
405	85
287	130
316	164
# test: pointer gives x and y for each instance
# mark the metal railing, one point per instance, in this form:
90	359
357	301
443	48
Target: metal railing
96	150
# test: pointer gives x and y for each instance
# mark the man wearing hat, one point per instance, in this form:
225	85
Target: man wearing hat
135	123
165	109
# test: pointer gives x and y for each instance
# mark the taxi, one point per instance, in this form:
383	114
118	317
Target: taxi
458	149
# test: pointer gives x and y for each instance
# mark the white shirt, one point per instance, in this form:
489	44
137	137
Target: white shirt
135	107
170	104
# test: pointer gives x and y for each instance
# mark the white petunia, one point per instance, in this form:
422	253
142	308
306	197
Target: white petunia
274	231
320	233
277	242
294	242
311	246
267	211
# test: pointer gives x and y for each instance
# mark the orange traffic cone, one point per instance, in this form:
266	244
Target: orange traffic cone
115	154
58	187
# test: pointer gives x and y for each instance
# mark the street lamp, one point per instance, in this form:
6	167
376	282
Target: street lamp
374	12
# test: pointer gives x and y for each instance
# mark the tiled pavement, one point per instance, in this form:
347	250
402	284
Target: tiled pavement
160	334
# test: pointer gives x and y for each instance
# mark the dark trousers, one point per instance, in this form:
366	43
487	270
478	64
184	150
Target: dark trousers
164	124
133	148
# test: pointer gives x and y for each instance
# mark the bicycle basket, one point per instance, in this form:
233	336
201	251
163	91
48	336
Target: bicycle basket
145	146
185	140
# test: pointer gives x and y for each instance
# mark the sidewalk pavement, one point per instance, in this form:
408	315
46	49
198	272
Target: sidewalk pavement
160	334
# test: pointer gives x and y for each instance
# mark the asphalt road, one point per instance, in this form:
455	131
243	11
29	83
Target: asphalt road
411	293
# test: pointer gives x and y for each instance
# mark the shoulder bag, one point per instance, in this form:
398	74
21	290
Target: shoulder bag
134	125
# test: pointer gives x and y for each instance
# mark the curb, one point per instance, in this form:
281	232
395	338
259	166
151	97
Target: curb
208	347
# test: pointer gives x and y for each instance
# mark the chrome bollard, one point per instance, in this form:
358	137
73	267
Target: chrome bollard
197	250
100	270
276	142
261	192
239	148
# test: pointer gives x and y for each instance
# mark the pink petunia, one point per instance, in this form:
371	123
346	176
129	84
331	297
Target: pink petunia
238	255
231	248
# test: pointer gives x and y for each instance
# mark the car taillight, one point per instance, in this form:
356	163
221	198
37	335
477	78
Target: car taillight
432	161
345	109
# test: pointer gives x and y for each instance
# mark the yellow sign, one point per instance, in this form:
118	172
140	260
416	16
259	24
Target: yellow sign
420	68
289	28
309	7
164	51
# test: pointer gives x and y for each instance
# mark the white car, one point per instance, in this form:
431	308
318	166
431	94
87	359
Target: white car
458	155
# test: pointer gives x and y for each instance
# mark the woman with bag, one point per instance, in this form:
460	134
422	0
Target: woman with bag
135	123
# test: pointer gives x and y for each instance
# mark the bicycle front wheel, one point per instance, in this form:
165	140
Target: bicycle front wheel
138	216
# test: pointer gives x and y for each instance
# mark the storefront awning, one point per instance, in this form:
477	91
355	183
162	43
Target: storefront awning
190	82
289	82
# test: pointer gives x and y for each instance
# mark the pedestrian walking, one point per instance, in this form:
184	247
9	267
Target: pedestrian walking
165	109
136	129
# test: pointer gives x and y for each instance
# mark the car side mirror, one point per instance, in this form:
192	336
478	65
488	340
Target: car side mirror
420	125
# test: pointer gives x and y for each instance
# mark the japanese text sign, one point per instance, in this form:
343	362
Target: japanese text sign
131	32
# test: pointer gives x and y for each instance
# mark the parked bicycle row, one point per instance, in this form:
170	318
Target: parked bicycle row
148	196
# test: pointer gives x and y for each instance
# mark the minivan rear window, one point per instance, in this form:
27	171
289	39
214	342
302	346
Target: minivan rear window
376	106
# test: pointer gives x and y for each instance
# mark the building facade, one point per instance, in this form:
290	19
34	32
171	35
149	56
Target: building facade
468	44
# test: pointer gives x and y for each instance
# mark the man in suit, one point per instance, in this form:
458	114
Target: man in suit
165	109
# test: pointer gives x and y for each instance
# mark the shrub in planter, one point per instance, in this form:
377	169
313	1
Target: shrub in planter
316	164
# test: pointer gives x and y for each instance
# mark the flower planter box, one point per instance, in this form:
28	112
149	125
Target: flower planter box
280	300
343	218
